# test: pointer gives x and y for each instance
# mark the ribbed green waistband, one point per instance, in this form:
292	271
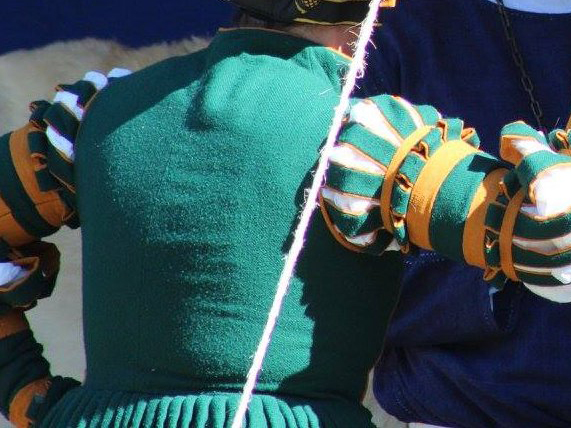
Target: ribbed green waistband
84	407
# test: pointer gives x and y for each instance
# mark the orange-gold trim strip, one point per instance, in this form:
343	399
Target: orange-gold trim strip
392	171
426	189
508	152
48	204
475	231
506	234
22	400
12	322
10	230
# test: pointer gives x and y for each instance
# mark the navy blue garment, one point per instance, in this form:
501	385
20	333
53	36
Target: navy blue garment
449	359
32	23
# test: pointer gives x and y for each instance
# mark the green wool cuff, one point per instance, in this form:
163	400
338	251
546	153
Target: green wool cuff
21	362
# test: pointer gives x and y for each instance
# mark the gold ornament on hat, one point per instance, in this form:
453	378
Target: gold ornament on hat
303	5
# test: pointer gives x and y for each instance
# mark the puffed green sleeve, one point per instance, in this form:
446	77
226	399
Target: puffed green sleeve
402	175
37	197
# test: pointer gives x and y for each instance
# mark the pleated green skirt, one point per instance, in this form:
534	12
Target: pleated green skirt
88	408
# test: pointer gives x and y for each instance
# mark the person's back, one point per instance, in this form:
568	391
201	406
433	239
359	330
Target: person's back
189	177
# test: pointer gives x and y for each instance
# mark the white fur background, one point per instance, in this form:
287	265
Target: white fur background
29	75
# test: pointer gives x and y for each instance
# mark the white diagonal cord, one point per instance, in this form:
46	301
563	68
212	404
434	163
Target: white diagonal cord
356	69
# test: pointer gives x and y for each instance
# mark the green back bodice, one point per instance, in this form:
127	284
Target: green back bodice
190	176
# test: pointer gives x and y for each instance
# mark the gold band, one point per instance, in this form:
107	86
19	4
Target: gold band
568	126
10	230
12	322
475	231
426	189
392	171
48	204
22	400
506	234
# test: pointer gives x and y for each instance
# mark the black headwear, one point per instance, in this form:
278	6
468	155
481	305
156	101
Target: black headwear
310	11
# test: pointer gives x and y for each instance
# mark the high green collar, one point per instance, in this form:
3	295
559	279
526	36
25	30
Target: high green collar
259	41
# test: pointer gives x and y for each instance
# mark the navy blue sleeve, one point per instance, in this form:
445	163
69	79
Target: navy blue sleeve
448	302
383	69
520	379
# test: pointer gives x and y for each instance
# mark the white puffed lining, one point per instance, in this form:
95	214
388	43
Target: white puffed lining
558	294
348	204
99	80
539	6
551	192
9	272
350	158
367	114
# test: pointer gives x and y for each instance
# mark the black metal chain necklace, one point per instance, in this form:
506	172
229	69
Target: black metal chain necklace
518	60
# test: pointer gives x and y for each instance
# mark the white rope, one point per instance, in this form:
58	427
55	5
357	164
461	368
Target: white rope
356	70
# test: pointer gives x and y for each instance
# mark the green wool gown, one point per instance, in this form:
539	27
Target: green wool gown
190	175
187	179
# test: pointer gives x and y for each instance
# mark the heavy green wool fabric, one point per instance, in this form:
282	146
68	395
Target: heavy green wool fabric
428	182
190	176
16	373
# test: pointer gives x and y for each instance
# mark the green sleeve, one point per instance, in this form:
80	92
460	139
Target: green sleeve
27	388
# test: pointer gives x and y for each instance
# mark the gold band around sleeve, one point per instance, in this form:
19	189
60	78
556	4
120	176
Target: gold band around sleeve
506	234
392	171
475	228
12	322
426	189
22	400
48	204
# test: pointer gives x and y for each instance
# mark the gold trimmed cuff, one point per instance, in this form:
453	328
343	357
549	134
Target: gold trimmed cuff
506	234
48	204
475	228
426	188
22	400
392	172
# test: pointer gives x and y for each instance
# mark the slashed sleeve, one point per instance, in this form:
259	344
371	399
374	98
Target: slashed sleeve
401	171
37	197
